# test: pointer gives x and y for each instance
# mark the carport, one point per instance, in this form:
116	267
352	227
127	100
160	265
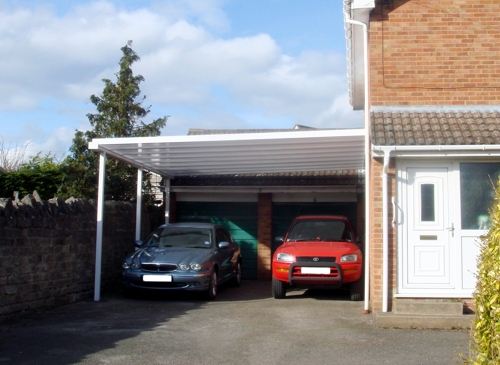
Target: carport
226	154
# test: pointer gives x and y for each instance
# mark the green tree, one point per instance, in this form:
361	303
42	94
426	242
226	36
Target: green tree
120	112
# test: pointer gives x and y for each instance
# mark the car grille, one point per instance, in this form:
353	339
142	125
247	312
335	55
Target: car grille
297	274
325	259
159	267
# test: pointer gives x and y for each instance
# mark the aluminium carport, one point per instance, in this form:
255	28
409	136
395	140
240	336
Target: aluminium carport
226	154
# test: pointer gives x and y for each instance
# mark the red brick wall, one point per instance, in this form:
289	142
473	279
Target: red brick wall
433	52
376	235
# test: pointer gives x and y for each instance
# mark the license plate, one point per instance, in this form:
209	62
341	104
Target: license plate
157	278
315	270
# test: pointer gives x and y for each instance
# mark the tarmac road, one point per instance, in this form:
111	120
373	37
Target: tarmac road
242	326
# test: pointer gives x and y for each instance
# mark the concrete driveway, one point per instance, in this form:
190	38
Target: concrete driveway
243	326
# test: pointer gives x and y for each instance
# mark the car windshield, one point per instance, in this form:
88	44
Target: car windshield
327	230
187	237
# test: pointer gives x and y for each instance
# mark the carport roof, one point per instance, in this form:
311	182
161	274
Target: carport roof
248	153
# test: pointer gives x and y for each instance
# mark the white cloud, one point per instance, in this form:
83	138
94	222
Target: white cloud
224	82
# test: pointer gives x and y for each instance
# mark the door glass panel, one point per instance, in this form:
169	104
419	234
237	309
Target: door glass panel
428	213
477	190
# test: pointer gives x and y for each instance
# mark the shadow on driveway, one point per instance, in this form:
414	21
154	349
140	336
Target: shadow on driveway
242	326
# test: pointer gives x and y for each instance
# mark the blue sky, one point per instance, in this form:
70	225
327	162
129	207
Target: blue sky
217	64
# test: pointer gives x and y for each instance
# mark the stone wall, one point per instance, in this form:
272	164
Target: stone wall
47	250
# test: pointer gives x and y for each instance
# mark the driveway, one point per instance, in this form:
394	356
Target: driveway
243	326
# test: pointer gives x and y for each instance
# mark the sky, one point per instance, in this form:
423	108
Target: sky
212	64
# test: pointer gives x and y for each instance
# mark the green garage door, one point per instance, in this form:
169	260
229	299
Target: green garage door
284	213
239	218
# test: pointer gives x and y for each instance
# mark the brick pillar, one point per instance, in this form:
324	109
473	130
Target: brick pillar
264	235
376	239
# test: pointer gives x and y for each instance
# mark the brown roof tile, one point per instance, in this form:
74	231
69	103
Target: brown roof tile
424	126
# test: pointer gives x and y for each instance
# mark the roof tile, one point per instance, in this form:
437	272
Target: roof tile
396	126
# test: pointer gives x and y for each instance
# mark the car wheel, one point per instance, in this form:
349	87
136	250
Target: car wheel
356	291
279	289
236	281
212	287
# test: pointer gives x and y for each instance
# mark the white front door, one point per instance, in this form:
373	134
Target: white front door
427	248
433	259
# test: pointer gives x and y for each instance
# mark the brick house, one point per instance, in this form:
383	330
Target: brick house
426	74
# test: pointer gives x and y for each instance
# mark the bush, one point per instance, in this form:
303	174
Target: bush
486	330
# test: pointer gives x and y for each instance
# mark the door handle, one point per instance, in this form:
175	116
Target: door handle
452	229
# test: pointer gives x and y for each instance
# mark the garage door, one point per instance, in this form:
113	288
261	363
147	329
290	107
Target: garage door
284	213
239	218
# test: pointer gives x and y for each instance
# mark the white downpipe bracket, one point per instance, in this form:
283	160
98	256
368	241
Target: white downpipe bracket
138	210
367	158
99	228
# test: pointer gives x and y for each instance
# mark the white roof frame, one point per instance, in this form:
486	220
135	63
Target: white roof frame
244	153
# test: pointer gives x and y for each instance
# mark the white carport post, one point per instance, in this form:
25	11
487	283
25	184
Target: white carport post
138	211
167	200
99	228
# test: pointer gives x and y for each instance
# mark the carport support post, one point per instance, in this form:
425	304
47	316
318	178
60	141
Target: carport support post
138	210
100	215
167	200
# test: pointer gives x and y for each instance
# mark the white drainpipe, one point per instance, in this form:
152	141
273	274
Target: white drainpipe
367	158
385	230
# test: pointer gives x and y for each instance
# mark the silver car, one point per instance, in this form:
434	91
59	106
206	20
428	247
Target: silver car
184	256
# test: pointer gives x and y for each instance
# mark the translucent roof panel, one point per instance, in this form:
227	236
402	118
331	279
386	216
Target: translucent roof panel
249	153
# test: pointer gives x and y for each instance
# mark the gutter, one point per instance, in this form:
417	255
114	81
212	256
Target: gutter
440	150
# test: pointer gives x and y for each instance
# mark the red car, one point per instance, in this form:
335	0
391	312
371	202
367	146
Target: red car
318	251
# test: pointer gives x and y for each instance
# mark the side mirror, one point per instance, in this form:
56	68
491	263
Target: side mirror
138	244
223	244
279	240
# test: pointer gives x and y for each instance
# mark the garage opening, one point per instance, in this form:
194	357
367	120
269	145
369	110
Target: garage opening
284	213
240	219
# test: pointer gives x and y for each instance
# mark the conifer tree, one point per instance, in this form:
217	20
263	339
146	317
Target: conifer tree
120	113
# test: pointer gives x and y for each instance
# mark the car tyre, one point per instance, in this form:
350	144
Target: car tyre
356	291
236	281
212	286
279	289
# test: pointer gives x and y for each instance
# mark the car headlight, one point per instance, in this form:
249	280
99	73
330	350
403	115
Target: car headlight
195	267
349	258
284	257
183	267
136	266
126	265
